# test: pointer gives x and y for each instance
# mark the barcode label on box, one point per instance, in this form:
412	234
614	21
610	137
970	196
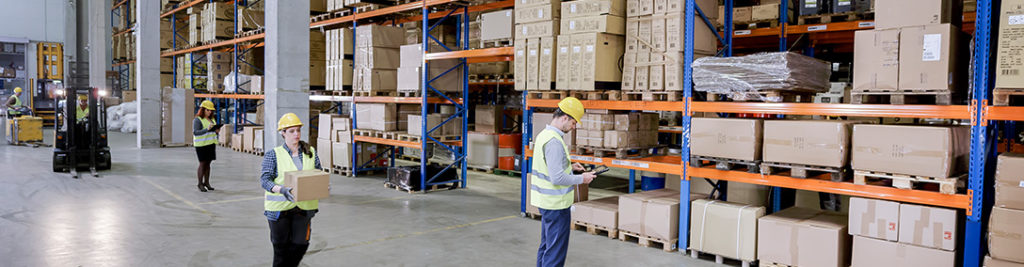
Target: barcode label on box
572	8
1015	19
572	24
1021	184
932	47
817	28
540	13
866	24
742	32
1010	72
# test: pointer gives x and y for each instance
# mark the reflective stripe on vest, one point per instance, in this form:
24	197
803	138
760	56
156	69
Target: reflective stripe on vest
277	201
545	194
208	138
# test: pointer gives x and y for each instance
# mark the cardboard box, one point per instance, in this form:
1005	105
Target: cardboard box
990	262
764	12
483	150
547	11
249	135
599	60
929	58
874	218
707	6
546	72
489	118
1009	181
377	57
603	212
620	139
563	60
541	121
340	124
496	25
724	228
603	122
742	14
646	7
931	151
816	143
325	124
373	35
876	59
324	150
593	138
780	235
519	63
594	24
415	123
627	122
581	193
869	252
1009	60
898	14
661	218
381	80
583	8
726	138
532	63
928	227
649	121
236	141
177	113
1005	234
537	29
308	184
224	134
633	206
376	116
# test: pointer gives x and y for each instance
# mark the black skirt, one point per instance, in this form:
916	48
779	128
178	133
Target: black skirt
207	153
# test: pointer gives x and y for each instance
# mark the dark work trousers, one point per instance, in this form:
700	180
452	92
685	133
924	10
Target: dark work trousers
290	237
554	237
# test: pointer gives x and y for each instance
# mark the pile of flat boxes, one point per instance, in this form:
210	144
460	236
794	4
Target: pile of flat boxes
655	42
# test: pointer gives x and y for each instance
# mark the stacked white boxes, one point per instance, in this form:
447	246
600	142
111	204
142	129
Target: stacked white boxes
655	42
537	25
410	76
377	58
591	45
339	68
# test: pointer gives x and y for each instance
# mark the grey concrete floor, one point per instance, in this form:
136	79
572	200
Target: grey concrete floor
146	211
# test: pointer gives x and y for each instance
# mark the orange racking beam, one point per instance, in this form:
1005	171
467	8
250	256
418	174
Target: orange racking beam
403	100
477	8
122	32
1002	113
612	105
379	12
661	164
391	142
182	7
123	63
214	45
959	201
862	110
473	53
230	96
118	4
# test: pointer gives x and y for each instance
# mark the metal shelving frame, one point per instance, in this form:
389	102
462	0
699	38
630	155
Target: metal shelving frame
122	68
976	202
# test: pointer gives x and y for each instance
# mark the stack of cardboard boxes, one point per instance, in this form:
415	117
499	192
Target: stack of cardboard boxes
734	139
339	66
377	58
1004	225
191	72
654	44
483	142
914	48
217	21
803	237
489	30
589	47
929	151
537	25
725	229
1009	61
602	213
409	71
317	59
614	131
218	66
887	233
652	214
177	112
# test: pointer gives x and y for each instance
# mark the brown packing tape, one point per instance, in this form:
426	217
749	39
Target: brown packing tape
794	238
865	219
924	219
937	235
1003	234
919	153
789	142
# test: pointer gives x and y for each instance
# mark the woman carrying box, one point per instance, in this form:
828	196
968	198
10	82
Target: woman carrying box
289	220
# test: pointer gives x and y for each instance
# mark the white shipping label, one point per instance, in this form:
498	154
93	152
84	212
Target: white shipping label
817	28
572	8
810	3
575	49
741	32
524	30
932	48
844	2
540	13
1021	184
520	53
1015	19
572	24
508	13
546	51
563	50
533	53
590	48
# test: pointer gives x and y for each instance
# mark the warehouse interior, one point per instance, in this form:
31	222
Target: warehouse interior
512	132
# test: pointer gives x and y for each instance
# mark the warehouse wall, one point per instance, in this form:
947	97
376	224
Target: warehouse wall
43	21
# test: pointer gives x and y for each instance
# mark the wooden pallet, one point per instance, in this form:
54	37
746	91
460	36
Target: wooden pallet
653	95
393	135
829	18
804	171
725	164
483	169
719	259
946	185
614	95
647	241
331	92
547	94
757	24
510	173
375	93
496	43
175	145
527	214
343	171
1002	96
828	98
448	186
251	32
620	153
772	264
773	96
595	229
900	97
417	138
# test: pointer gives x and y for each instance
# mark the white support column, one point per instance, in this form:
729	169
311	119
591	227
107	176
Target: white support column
147	68
99	40
287	66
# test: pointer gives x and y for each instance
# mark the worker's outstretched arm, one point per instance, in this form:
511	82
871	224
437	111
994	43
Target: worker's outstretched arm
557	161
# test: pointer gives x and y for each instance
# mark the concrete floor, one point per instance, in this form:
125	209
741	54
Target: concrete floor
146	211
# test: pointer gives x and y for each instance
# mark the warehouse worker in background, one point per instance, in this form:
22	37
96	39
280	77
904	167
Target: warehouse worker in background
204	138
14	104
552	182
289	220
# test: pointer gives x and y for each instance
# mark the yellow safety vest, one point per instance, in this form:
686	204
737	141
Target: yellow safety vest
17	105
208	138
545	194
277	201
80	113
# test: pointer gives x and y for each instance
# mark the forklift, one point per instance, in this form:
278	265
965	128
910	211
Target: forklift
80	141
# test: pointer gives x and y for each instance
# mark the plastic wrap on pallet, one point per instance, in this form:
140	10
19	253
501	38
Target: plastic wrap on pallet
744	77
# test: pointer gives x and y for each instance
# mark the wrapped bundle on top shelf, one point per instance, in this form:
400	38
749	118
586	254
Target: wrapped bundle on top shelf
762	76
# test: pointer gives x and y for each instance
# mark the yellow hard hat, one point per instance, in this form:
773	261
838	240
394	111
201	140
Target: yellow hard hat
207	104
288	120
83	97
17	89
573	107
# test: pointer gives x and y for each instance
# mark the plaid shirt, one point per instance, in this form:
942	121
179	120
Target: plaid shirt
269	173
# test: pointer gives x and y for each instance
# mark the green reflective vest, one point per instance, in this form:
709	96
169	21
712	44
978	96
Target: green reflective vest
277	201
208	138
81	114
545	194
17	105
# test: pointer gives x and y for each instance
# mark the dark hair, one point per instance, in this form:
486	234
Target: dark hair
558	113
304	148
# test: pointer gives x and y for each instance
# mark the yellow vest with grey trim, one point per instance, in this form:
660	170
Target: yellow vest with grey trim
545	194
17	105
206	139
277	201
80	113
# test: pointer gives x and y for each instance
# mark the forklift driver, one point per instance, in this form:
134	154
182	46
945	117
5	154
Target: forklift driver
82	110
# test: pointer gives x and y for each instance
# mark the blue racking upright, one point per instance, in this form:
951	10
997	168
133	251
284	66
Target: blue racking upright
122	68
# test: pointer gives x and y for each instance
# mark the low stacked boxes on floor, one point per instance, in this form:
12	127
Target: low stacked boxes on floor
930	151
249	136
602	212
339	66
489	118
331	129
737	139
377	58
724	229
655	41
803	237
581	192
410	76
482	150
652	214
224	134
890	233
236	141
1004	227
537	25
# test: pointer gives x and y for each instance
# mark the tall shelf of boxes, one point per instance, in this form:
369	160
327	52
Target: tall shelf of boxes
122	18
206	41
976	202
453	59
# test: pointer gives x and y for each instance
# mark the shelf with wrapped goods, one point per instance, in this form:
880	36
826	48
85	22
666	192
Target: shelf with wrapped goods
382	99
224	43
182	7
392	142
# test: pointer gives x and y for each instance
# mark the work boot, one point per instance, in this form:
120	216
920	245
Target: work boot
201	188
